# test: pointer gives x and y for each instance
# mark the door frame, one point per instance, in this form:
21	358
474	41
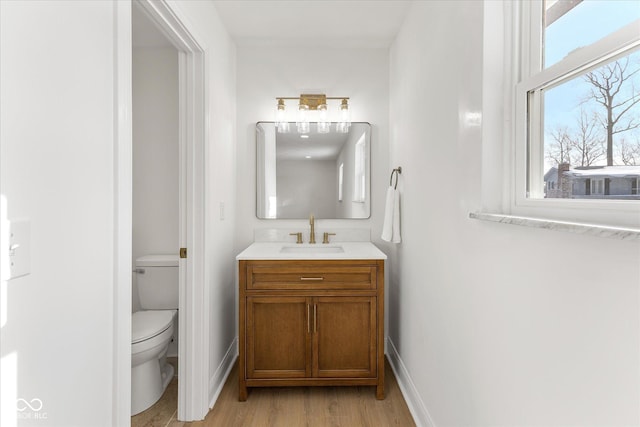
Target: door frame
193	324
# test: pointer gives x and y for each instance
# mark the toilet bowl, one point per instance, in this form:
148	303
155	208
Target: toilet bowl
152	328
152	331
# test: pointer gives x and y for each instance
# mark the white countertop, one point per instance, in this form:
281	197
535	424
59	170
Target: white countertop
273	251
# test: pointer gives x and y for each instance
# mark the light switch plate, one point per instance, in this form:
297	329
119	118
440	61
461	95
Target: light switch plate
19	248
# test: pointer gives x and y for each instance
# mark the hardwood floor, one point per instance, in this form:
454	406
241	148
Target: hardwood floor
291	407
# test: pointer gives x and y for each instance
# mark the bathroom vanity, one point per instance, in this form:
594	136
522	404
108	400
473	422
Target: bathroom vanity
311	315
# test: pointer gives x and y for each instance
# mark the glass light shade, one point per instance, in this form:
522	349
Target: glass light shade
303	127
345	118
342	127
281	119
303	119
324	126
345	114
283	127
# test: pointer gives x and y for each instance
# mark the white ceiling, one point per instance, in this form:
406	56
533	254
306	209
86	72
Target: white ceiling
295	23
312	23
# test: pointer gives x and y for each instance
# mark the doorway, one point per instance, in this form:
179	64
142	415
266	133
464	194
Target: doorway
193	342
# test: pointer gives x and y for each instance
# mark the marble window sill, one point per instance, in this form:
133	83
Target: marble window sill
572	227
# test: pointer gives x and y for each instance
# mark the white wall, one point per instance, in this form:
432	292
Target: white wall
57	152
264	73
155	154
495	324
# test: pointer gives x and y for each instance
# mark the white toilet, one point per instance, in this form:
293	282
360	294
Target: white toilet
152	329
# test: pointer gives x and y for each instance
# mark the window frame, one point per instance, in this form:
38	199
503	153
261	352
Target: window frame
340	181
360	169
527	147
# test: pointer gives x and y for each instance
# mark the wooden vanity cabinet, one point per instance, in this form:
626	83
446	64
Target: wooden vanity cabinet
311	323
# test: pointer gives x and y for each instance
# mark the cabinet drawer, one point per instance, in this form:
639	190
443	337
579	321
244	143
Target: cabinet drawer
311	276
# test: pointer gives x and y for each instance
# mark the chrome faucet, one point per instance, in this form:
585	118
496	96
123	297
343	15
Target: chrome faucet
312	234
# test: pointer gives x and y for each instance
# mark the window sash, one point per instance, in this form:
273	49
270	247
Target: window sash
534	79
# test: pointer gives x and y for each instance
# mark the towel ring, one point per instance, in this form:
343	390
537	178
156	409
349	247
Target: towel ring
397	171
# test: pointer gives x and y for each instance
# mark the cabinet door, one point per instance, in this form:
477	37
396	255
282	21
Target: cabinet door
277	337
344	337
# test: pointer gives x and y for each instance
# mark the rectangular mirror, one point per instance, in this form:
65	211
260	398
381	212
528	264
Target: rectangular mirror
327	174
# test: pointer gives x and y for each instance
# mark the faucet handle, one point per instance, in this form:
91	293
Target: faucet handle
298	236
325	238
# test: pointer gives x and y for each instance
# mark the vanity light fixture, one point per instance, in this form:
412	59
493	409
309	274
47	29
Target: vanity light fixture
345	118
324	125
281	120
303	119
307	103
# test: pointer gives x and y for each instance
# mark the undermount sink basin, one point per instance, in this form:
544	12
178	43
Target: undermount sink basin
311	249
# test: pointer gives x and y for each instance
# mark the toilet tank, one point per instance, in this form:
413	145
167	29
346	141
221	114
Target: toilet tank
157	277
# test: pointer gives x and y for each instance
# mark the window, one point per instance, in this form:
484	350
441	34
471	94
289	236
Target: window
597	186
359	184
340	181
577	99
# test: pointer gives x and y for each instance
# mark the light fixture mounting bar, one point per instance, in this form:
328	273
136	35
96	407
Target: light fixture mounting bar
311	100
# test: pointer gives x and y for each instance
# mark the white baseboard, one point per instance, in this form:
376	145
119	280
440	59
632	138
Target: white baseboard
222	373
407	387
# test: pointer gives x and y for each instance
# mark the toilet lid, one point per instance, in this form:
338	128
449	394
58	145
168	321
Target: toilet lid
148	324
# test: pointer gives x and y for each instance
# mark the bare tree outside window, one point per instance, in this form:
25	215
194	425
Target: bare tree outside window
582	145
630	152
597	139
615	89
559	149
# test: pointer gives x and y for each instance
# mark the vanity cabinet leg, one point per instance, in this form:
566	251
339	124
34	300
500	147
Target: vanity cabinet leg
242	392
380	392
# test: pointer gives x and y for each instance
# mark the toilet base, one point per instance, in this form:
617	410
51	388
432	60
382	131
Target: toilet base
148	382
167	375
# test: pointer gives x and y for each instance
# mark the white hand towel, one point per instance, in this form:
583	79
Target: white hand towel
396	217
387	225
